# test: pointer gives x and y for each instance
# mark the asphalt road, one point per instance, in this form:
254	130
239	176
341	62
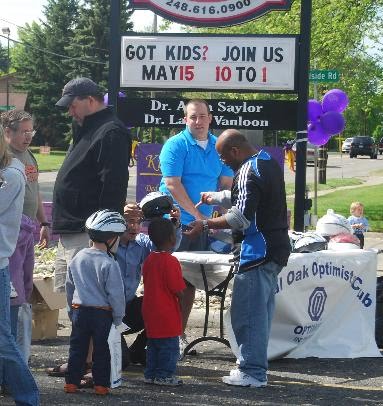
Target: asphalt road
338	167
310	381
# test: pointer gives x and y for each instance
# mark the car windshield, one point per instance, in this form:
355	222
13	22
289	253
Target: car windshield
363	140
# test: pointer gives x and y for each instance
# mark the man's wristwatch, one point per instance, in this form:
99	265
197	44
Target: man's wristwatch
205	225
45	224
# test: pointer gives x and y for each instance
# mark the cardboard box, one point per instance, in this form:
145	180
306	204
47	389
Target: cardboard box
45	309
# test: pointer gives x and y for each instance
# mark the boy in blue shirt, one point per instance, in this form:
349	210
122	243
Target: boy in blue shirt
134	248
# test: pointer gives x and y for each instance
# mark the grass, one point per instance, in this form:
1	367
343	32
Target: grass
330	184
339	201
50	162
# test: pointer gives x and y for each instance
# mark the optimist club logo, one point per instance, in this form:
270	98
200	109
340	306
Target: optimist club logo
317	301
211	13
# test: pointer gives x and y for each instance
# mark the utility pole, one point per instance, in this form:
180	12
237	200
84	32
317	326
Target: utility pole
114	53
6	31
301	203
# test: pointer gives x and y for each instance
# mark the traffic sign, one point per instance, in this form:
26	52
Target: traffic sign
323	75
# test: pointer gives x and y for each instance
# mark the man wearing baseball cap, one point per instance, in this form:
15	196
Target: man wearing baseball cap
94	174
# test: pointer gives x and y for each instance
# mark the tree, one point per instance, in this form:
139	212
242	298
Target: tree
91	40
338	41
3	59
39	65
73	41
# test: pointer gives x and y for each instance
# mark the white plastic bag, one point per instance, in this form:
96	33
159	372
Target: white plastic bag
114	342
24	330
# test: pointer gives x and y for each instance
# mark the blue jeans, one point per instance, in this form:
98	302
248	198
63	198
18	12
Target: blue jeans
89	322
14	317
161	357
252	309
14	372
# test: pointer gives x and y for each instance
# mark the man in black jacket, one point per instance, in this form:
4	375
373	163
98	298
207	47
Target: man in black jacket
94	174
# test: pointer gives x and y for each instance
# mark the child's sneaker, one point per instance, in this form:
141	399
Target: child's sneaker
170	381
101	390
13	291
70	388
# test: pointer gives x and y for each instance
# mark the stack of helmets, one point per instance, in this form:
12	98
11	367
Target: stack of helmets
338	231
309	242
333	224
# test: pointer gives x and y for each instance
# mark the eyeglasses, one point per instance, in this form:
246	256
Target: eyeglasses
29	133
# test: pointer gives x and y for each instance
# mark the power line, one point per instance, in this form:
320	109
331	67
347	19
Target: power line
46	51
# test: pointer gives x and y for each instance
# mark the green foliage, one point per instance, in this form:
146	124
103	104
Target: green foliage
3	59
338	35
73	41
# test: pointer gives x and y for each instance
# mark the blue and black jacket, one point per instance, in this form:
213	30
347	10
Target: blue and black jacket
258	192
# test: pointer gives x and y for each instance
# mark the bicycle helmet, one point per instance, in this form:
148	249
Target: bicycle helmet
332	224
156	204
104	225
310	242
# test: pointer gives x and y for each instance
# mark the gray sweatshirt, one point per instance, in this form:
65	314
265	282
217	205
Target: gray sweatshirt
11	207
94	279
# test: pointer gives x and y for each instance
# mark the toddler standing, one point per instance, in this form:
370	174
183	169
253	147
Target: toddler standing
163	288
358	222
95	299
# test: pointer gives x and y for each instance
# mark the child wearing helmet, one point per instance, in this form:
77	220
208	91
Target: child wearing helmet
95	300
358	222
164	285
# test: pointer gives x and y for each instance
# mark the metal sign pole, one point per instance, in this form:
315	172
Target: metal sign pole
114	53
303	73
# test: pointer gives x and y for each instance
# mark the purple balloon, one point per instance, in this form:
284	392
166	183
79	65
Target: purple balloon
332	122
317	135
121	95
335	100
314	110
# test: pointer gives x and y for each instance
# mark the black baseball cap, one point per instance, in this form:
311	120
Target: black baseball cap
78	87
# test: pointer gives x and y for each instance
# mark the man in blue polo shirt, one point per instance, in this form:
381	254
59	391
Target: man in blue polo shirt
190	165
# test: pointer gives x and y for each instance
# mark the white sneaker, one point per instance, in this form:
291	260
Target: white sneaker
13	291
239	378
170	381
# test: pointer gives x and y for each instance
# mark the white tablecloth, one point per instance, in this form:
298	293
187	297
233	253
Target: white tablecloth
325	304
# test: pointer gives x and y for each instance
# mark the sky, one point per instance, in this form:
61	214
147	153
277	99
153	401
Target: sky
18	12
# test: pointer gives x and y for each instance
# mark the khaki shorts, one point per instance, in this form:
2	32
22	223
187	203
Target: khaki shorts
68	246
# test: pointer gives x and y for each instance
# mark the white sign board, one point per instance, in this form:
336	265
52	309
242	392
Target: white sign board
249	63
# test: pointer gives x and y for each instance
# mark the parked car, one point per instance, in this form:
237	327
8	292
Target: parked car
346	145
380	146
363	145
310	152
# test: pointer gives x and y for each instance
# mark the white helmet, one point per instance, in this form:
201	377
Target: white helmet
104	225
156	204
310	242
333	224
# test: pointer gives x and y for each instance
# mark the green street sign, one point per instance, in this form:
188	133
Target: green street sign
323	75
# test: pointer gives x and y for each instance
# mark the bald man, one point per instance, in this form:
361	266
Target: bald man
257	215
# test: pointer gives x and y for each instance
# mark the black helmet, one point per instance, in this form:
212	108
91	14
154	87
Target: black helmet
156	204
